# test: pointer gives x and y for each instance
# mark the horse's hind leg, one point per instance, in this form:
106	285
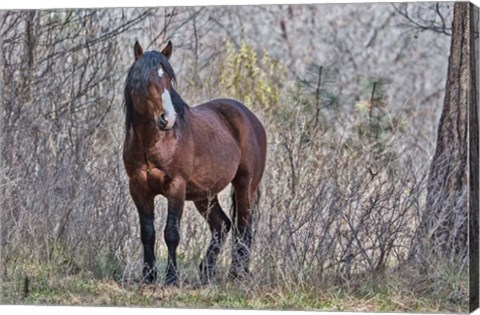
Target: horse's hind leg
219	225
243	207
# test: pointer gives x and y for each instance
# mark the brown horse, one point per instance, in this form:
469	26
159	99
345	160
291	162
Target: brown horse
189	153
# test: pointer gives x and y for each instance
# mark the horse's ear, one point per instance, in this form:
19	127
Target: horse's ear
138	50
167	51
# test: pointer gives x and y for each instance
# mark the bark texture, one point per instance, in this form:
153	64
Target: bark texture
443	231
474	160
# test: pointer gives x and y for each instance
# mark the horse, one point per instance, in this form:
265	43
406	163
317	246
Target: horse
189	154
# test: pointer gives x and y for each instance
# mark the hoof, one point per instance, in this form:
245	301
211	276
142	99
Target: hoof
149	275
237	273
171	281
206	274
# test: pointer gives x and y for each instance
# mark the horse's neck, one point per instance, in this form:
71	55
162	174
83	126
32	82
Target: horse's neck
146	134
144	131
178	102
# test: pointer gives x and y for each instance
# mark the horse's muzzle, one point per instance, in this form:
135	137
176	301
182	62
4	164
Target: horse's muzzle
166	121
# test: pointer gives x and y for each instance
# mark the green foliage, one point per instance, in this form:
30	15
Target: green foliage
316	92
373	128
375	119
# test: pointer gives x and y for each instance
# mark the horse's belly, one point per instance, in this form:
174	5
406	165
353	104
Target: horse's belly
198	192
210	180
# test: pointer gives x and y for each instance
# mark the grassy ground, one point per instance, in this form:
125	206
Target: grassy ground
45	286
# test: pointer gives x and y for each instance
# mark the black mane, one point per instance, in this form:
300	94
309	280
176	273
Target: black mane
138	78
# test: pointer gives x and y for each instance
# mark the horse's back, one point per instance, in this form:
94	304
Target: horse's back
239	118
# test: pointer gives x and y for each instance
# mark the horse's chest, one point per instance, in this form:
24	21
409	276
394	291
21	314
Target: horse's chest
157	180
157	176
148	176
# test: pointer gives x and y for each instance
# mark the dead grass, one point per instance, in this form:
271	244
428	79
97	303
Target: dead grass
394	293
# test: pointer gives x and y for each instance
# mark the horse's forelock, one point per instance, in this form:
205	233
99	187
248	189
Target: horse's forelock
150	62
168	68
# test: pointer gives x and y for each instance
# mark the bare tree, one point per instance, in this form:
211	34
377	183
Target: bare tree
426	17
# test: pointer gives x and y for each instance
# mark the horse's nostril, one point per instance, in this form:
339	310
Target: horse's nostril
162	121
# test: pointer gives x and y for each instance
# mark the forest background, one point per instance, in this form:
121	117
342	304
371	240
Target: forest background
350	94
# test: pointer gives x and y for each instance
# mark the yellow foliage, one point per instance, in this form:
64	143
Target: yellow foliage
256	81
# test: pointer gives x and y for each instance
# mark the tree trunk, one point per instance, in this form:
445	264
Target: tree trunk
443	231
473	121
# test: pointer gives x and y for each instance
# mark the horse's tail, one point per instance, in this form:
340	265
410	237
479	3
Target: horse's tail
255	213
234	210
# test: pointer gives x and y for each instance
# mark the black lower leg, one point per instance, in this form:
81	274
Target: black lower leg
172	238
219	234
241	252
147	232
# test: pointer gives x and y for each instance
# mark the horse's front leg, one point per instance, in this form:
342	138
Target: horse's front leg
176	200
146	212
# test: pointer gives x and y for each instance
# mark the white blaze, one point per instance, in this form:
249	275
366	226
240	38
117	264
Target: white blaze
160	72
170	113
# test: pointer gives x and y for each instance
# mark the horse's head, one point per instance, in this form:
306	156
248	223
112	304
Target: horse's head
149	84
